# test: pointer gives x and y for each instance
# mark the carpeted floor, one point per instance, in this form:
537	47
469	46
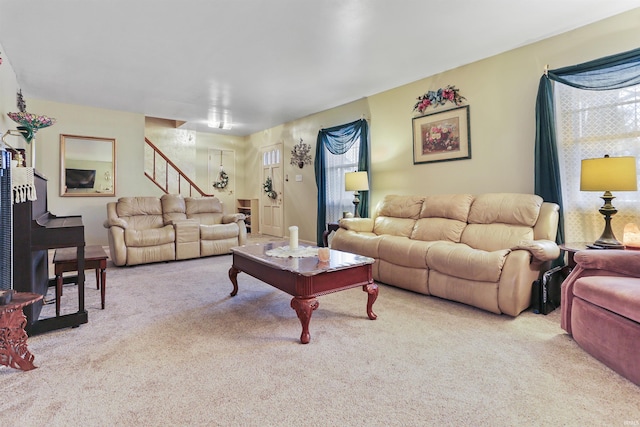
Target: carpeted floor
173	348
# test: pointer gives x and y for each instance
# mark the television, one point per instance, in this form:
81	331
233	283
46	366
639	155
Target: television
80	178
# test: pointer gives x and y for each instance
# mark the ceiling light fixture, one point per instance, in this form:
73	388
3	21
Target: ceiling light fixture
220	125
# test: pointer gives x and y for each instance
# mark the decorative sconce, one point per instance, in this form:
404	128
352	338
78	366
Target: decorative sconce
608	174
300	154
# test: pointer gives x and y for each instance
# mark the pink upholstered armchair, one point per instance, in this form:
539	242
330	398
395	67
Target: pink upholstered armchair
601	308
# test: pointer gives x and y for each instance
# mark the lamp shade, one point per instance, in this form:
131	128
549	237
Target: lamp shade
356	181
609	174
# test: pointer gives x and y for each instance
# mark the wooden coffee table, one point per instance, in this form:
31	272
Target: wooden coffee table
305	278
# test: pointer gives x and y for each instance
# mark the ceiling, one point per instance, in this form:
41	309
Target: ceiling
260	63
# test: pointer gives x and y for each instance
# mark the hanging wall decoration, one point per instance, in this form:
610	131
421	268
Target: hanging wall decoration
438	97
442	136
300	154
268	189
223	178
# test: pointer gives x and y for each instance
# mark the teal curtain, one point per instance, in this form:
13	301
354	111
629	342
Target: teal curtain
338	140
611	72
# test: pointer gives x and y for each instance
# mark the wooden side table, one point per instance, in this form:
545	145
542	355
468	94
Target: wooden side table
13	337
572	248
332	226
64	260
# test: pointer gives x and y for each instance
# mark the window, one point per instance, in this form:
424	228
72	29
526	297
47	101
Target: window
338	200
591	124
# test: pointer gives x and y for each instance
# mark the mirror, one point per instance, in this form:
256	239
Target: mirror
87	166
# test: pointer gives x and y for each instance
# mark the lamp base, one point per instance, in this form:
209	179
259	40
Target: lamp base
356	202
608	240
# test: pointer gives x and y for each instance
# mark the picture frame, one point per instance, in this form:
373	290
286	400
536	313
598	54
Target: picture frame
442	136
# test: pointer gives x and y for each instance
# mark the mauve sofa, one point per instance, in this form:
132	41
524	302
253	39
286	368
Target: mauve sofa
601	308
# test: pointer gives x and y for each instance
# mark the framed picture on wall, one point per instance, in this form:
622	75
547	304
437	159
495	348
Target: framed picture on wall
442	136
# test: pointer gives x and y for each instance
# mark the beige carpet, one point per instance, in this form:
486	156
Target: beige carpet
173	348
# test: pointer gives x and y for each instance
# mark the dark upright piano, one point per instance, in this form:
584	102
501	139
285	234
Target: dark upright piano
35	231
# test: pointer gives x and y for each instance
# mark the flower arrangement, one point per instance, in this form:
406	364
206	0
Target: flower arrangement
441	138
34	121
438	97
223	180
30	123
268	189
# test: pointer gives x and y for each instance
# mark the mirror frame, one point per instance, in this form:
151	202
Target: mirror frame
105	190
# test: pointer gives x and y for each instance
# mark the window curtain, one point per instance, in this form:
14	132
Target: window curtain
611	72
337	140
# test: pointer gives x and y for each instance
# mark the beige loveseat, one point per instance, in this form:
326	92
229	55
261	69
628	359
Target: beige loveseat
151	229
483	250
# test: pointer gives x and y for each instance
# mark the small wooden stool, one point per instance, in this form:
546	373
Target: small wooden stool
64	260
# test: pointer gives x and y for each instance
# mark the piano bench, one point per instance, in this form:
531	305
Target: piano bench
95	258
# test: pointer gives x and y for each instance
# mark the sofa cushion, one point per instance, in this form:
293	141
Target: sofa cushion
140	213
400	206
207	210
149	237
433	229
404	251
132	206
173	208
218	231
459	260
619	295
505	208
393	226
452	206
492	237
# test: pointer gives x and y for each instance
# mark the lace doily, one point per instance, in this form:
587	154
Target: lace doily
286	252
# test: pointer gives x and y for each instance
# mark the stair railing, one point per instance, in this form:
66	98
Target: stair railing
170	168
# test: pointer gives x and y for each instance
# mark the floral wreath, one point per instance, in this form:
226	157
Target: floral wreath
438	97
223	180
268	189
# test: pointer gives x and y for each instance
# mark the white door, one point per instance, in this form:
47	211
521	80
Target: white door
272	215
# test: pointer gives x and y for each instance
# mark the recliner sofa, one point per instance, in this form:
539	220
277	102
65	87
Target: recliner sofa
150	229
482	250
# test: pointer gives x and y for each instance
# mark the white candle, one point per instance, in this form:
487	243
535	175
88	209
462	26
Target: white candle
293	237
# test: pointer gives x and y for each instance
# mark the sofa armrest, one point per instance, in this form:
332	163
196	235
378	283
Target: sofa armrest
115	222
541	250
620	262
187	230
357	224
112	217
228	219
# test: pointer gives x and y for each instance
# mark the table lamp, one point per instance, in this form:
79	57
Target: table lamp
356	182
608	174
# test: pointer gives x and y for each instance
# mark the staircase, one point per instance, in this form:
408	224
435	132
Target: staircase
168	177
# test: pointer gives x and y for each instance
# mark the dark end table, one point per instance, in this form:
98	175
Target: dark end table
13	337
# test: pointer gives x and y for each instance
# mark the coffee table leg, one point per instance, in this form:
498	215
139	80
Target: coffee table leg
304	308
233	276
372	291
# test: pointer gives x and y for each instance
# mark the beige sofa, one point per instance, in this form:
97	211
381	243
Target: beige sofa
483	250
151	229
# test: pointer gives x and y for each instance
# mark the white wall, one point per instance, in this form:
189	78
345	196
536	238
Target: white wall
500	90
128	131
